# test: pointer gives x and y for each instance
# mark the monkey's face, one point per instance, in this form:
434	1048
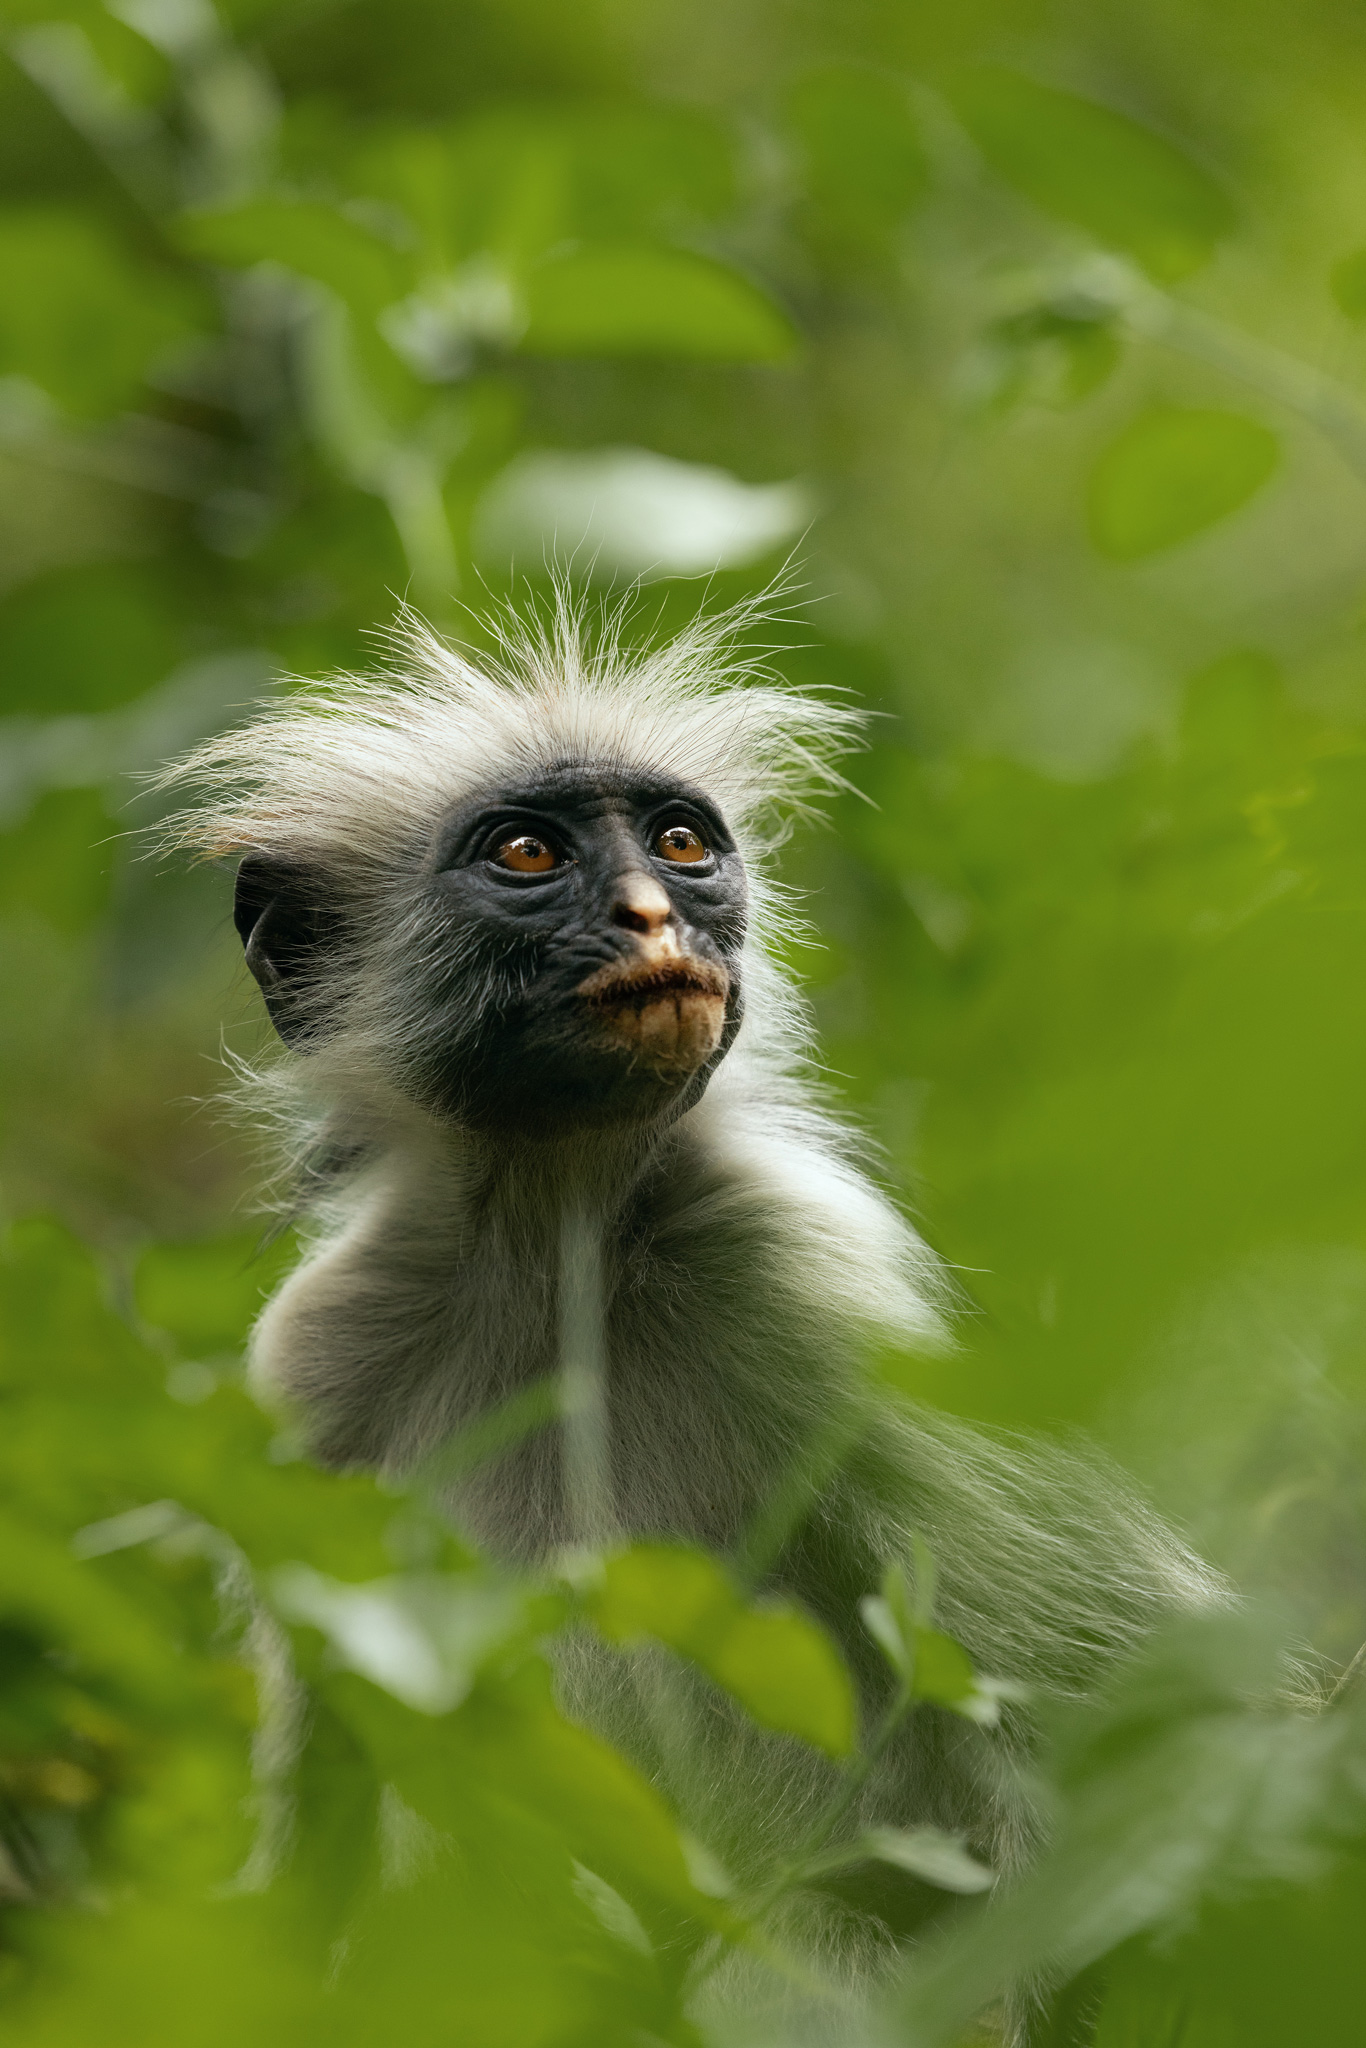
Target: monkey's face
572	955
606	913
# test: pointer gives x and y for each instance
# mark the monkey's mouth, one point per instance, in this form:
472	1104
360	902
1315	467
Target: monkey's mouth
669	1014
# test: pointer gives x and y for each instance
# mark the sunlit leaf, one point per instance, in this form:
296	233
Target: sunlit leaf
1096	168
676	1595
884	1625
1173	473
786	1673
943	1670
651	301
779	1664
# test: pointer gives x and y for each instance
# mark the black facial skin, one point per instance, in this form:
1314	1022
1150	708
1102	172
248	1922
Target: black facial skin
496	1029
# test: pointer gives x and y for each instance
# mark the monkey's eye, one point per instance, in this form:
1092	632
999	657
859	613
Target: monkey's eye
526	855
680	843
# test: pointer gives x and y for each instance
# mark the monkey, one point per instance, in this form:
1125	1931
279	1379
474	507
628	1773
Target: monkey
517	925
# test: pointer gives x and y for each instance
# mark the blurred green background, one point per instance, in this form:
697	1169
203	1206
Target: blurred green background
1033	338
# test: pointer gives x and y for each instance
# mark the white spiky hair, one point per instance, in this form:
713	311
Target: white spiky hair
359	768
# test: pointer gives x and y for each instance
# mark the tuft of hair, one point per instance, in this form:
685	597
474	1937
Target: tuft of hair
349	779
358	768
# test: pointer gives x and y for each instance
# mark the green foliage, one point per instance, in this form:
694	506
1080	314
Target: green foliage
773	1659
1089	165
650	302
87	638
862	162
78	315
59	866
1349	284
1173	473
283	293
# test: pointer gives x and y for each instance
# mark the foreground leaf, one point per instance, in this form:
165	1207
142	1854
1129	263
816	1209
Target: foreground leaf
773	1659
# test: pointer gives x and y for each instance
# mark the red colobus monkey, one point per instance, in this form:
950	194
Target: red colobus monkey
515	926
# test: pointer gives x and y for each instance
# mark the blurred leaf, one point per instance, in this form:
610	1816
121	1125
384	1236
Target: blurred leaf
1348	280
314	240
423	1636
207	1294
1189	1772
497	185
1173	473
943	1670
638	169
927	1853
513	183
58	865
78	315
931	1665
1044	355
787	1674
1096	168
654	302
86	638
779	1664
1250	1973
861	161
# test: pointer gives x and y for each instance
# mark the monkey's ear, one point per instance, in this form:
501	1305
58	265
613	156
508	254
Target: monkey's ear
285	927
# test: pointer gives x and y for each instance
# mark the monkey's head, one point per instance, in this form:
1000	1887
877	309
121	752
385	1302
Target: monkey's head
526	898
567	951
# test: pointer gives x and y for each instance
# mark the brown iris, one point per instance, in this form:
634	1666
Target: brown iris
527	855
680	843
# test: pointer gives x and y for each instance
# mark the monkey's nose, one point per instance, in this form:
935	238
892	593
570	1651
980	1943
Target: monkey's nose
641	905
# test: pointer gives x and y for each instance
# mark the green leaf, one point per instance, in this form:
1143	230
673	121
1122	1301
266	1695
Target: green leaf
776	1661
626	300
931	1665
678	1596
1348	282
1045	355
1171	474
860	160
884	1626
1099	170
943	1670
206	1294
928	1853
309	238
787	1674
58	865
87	638
894	1616
78	315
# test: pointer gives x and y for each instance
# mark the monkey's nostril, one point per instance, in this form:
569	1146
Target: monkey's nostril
641	906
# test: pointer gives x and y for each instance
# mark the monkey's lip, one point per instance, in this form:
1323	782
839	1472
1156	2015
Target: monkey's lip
668	1013
647	981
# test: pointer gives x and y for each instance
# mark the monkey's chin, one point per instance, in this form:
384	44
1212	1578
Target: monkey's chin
668	1018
